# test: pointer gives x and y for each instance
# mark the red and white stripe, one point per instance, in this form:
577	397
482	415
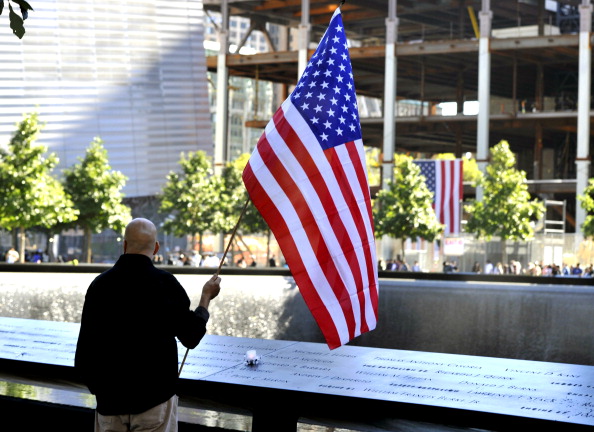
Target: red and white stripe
449	193
318	206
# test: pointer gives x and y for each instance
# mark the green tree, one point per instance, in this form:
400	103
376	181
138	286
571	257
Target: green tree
252	221
96	191
192	200
404	209
233	194
30	196
372	160
506	209
587	202
17	22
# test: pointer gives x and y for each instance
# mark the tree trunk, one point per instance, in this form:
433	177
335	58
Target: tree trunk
49	247
268	247
22	241
236	249
247	248
504	251
14	235
88	250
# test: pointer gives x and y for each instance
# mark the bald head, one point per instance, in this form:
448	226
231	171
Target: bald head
140	237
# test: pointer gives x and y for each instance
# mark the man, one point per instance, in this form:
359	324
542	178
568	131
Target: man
577	271
127	351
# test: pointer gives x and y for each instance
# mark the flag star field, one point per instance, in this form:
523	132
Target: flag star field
325	95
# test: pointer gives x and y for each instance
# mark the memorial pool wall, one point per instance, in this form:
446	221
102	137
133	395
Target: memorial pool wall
541	319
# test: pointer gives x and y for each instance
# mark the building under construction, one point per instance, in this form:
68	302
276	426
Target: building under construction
524	64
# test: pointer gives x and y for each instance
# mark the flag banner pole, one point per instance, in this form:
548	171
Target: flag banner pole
247	201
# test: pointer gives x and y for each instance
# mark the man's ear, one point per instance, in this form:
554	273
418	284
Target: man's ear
156	248
125	245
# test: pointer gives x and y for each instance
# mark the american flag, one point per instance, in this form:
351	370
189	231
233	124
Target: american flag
308	179
444	180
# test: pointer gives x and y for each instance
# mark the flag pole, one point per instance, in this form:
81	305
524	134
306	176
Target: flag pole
220	265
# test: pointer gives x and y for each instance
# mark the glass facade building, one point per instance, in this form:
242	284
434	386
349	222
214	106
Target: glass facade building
131	73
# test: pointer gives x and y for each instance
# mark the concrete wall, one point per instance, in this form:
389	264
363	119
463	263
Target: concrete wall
552	323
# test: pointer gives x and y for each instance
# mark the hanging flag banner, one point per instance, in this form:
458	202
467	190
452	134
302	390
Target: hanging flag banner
444	179
307	176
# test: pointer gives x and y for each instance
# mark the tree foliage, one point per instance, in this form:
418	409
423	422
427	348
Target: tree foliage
374	166
17	22
193	199
404	209
96	192
587	202
31	196
196	201
506	209
252	221
233	195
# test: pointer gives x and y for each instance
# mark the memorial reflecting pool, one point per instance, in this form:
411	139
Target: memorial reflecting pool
266	307
528	321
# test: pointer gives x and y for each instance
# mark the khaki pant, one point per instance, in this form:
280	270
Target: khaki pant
162	418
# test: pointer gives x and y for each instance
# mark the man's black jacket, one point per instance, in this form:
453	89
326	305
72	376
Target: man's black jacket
127	351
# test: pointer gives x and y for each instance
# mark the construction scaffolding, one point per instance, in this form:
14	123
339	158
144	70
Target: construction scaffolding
527	66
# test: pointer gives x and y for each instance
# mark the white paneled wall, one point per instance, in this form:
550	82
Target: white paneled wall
132	73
